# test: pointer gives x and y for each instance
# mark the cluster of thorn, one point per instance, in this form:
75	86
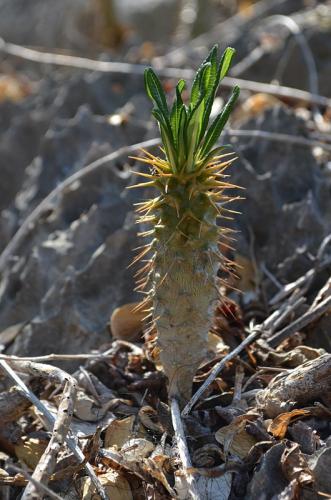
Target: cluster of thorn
207	178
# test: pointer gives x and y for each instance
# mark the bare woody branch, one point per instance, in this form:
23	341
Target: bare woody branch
61	428
58	376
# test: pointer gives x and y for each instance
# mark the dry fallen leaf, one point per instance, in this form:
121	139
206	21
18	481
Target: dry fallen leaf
126	322
86	408
120	431
136	449
155	467
29	451
235	439
115	485
279	425
216	345
295	465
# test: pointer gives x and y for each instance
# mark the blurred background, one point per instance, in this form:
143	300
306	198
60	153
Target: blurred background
66	245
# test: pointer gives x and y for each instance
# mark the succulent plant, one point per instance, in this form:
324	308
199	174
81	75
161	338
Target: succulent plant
180	276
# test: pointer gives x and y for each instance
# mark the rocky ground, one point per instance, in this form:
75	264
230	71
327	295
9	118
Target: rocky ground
67	230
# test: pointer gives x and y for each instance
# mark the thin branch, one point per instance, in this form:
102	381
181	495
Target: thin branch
218	368
39	486
308	56
47	462
59	376
268	326
58	357
301	322
320	263
276	137
183	451
324	292
138	69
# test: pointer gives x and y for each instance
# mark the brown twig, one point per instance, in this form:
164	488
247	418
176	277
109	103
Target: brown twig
41	488
57	357
307	54
61	428
58	376
268	326
276	137
301	322
218	368
304	281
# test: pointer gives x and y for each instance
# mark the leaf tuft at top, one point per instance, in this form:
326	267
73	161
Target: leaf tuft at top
185	134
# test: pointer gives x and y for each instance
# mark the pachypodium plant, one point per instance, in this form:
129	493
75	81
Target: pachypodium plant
180	275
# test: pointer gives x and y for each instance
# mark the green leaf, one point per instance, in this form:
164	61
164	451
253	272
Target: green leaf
155	92
211	62
186	140
167	137
182	140
226	62
221	72
219	123
176	110
193	130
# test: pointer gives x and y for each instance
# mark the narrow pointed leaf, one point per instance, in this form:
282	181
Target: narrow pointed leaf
219	123
176	111
155	91
226	62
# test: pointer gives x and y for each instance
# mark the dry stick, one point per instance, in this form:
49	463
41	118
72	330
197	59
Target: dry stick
308	56
61	428
259	51
184	454
57	357
256	330
135	349
283	138
218	368
29	222
56	375
308	277
324	291
138	69
301	322
39	486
